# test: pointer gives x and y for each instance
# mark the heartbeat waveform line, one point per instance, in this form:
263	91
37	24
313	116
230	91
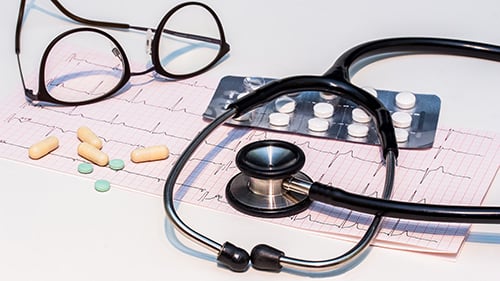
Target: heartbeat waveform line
450	132
428	171
172	109
122	123
347	224
106	140
90	93
337	154
440	149
74	57
205	194
154	76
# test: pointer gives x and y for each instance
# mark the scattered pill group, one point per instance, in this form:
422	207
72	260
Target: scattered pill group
90	149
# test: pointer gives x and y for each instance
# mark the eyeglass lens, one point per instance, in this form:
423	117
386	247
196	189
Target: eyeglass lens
182	55
83	66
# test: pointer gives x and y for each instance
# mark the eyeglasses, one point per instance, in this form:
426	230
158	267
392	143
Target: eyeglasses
86	65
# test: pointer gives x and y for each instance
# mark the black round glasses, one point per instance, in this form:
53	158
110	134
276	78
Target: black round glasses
86	65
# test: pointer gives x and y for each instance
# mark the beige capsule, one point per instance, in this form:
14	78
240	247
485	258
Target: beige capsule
93	154
43	147
84	134
151	153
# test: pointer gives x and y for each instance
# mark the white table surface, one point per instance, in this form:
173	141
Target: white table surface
53	227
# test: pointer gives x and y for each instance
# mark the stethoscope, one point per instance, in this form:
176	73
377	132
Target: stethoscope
271	184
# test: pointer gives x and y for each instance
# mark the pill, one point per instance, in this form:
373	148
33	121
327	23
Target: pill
327	95
279	119
317	124
401	135
102	185
84	134
43	147
151	153
323	110
253	83
357	130
371	91
85	168
405	100
285	104
359	115
116	164
401	119
92	154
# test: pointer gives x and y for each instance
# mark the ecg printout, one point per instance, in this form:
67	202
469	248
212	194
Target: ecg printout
457	170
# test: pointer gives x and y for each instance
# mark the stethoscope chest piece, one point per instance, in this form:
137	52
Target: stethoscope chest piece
257	190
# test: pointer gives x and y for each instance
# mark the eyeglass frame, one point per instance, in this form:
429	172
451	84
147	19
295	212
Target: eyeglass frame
44	96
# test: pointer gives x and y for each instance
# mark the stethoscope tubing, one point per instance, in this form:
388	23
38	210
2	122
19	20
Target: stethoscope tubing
404	210
336	80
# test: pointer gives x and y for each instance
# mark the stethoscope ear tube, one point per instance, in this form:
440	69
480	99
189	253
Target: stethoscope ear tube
403	210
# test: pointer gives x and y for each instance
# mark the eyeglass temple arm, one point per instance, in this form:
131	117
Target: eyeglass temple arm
127	26
74	17
67	13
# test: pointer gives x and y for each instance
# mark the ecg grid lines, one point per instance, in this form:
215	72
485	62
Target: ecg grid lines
458	169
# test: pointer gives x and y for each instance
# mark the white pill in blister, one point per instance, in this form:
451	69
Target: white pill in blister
401	119
371	91
318	124
401	135
359	115
327	95
285	104
279	119
323	110
357	130
405	100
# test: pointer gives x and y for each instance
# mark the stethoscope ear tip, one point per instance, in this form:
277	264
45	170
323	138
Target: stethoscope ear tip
235	258
267	258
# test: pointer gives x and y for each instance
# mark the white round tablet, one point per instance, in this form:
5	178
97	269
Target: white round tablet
357	130
318	124
323	110
279	119
285	104
401	119
359	115
327	95
406	100
401	135
371	91
253	83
